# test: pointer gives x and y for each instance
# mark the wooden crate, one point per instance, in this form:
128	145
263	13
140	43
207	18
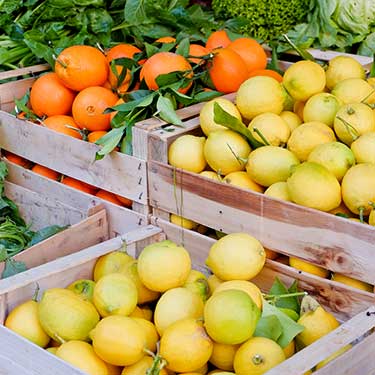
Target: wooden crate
63	271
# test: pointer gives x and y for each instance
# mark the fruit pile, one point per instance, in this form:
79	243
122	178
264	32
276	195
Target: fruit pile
157	315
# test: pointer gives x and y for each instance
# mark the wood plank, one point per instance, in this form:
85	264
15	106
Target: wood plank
13	90
332	242
119	173
24	71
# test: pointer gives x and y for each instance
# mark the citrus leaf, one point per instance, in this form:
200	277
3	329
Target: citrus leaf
166	111
109	142
183	47
278	288
269	327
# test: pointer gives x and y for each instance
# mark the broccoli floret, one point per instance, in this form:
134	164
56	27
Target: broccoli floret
266	19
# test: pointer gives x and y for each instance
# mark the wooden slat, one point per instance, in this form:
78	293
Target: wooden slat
13	90
24	71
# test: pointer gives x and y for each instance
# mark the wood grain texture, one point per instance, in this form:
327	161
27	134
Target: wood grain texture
19	73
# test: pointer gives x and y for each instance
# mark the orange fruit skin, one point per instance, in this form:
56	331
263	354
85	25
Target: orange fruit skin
197	50
94	136
166	39
252	53
108	196
218	39
49	96
80	67
17	160
125	201
163	63
228	70
46	172
79	185
58	123
89	105
267	72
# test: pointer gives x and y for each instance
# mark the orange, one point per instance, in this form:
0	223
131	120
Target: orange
80	67
50	97
197	50
94	136
163	63
46	172
125	201
108	196
60	123
267	72
17	160
228	70
107	85
89	105
166	39
79	185
252	53
218	39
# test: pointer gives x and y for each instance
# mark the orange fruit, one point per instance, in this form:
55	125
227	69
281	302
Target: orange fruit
108	196
267	72
252	53
163	63
197	50
94	136
89	105
49	96
107	85
113	114
17	160
80	67
79	185
125	201
228	70
218	39
166	39
60	123
46	172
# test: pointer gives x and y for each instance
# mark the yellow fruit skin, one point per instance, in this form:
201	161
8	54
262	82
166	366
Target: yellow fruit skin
242	180
163	266
113	370
364	148
23	320
119	340
137	313
354	90
185	346
308	267
84	288
222	356
292	119
211	175
341	209
151	333
279	190
66	316
197	283
237	256
115	294
141	367
113	262
333	356
298	108
186	152
317	324
352	282
176	304
371	218
321	107
52	350
213	282
290	349
257	355
182	222
81	355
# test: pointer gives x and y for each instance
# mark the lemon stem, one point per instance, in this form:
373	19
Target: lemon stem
278	296
257	359
263	138
361	210
366	97
36	293
350	128
239	159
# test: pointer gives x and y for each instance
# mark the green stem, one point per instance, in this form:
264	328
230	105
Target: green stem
262	137
278	296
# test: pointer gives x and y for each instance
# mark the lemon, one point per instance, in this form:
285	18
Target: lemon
298	108
222	356
269	164
231	316
321	107
290	349
111	263
237	256
278	190
272	128
308	267
225	150
312	185
291	119
206	115
352	282
341	68
81	355
364	148
186	152
115	294
84	288
164	265
259	95
137	313
354	90
242	180
246	286
371	218
141	367
335	156
52	350
333	356
341	210
288	100
257	355
54	343
358	188
145	295
211	175
182	222
213	282
185	346
353	120
197	283
202	370
307	136
66	316
303	79
152	336
113	370
23	320
174	305
119	340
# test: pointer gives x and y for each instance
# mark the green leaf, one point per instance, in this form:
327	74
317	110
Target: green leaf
109	142
269	327
205	96
183	47
278	288
45	233
12	267
151	50
167	112
134	11
306	55
168	78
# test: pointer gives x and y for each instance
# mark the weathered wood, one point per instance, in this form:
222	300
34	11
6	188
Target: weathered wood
29	70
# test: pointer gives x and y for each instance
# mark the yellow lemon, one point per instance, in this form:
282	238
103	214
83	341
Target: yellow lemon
298	108
290	349
321	107
242	180
201	370
115	294
278	190
341	210
52	350
222	356
308	267
237	256
197	283
84	288
81	355
225	150
213	282
371	218
23	320
182	222
206	115
354	90
257	356
151	333
113	262
185	346
303	79
210	174
137	313
291	119
364	148
186	152
113	370
333	356
352	282
141	367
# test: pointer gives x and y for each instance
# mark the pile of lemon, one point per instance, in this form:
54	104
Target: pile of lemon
156	315
318	131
